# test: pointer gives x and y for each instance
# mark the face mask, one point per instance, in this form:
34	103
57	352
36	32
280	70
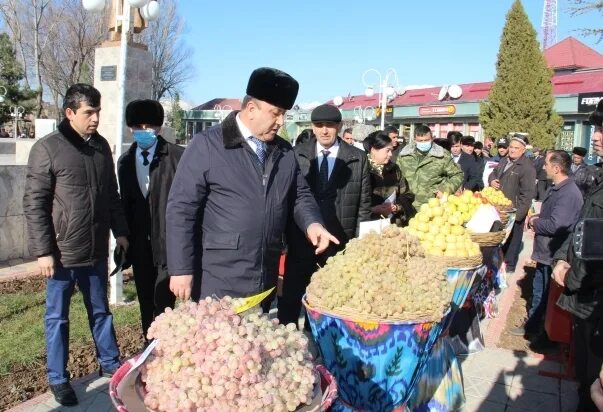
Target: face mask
423	146
145	138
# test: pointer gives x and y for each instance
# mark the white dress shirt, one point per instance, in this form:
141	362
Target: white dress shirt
332	155
246	134
142	171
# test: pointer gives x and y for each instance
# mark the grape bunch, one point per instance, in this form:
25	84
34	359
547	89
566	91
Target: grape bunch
382	276
209	358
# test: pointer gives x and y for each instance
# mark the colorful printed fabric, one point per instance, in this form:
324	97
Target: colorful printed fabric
377	365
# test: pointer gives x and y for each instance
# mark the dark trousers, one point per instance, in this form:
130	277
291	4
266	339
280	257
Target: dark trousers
588	364
92	282
540	293
152	287
512	247
297	278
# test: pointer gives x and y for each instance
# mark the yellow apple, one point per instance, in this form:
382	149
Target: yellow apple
433	202
423	217
437	211
422	227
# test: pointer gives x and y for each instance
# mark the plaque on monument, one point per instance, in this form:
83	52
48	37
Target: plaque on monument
108	73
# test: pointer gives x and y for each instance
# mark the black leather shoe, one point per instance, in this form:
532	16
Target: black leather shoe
103	373
64	394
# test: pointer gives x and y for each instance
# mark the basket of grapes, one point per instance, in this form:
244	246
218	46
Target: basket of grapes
206	356
376	311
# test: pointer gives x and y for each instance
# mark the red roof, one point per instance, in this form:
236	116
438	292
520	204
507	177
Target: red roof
572	54
571	83
220	104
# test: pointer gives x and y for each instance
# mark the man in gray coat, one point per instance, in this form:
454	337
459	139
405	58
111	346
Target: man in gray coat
236	187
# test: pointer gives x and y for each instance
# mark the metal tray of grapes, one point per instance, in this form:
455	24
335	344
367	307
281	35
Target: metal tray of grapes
127	391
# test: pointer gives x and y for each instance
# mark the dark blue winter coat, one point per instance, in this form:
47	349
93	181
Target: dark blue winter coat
228	213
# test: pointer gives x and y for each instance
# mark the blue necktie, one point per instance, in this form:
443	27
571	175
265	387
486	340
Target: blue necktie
260	149
323	172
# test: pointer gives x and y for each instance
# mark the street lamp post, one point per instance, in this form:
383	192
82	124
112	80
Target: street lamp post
16	112
386	91
362	114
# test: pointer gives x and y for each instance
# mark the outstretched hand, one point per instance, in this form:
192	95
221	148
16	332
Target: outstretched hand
320	237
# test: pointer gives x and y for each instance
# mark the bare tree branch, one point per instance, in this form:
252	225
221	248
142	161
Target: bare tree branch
171	57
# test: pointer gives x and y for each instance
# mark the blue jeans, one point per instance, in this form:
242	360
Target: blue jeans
92	282
540	294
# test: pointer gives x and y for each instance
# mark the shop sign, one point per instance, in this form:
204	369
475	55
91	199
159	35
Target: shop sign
445	110
389	112
587	102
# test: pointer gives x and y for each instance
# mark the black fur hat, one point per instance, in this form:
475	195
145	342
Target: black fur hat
596	117
580	151
144	112
273	86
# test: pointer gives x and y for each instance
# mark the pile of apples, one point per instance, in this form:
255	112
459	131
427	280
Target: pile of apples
439	225
496	197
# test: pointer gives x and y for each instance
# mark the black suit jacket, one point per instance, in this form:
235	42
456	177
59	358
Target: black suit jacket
146	216
349	180
471	170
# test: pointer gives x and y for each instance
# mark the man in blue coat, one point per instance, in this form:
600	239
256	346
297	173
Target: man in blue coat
236	187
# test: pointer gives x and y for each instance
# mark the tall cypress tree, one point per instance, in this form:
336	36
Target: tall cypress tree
521	98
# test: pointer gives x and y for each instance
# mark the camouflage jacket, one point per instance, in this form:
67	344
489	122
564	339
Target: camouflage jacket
429	173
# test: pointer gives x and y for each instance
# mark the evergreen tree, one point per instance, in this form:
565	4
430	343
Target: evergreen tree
176	116
11	74
521	98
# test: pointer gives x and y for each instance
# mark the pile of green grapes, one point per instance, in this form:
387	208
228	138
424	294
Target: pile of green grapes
382	276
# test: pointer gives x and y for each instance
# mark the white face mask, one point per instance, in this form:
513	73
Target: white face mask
424	146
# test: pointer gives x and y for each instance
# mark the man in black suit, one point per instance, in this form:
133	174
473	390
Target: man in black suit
471	168
338	176
145	175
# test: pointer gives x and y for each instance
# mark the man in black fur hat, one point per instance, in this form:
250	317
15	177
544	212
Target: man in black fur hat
236	188
145	175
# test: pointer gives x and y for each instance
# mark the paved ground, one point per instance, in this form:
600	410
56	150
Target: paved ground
494	379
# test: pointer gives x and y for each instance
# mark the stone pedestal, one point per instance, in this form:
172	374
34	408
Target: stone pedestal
23	147
106	79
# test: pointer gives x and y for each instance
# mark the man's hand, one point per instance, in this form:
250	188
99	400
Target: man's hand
383	209
46	264
319	237
560	271
530	222
596	391
122	242
181	286
495	184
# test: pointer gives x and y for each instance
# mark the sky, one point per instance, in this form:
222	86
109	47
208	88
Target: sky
327	45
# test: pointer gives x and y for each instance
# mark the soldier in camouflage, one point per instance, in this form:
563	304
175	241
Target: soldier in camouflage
428	168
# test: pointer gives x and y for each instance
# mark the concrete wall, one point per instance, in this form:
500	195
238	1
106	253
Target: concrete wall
13	231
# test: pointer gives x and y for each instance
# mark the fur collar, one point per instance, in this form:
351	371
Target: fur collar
75	139
435	151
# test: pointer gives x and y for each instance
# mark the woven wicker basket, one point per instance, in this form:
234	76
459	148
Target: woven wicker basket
352	314
458	262
489	239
